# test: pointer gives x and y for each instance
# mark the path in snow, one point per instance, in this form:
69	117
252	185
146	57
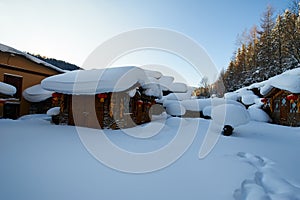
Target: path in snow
267	184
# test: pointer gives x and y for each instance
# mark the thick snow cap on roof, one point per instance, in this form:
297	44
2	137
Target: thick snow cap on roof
7	89
11	50
288	80
100	81
153	74
36	93
165	82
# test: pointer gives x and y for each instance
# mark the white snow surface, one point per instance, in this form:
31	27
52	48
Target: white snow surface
44	161
11	50
36	93
7	89
89	82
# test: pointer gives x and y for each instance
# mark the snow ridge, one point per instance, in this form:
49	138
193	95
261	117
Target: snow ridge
267	184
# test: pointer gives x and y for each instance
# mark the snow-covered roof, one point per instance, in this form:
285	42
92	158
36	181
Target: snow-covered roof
11	50
7	89
36	94
101	81
289	81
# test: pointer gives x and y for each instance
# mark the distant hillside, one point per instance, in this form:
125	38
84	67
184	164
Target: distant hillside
58	63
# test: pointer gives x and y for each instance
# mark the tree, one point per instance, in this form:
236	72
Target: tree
294	7
278	43
265	50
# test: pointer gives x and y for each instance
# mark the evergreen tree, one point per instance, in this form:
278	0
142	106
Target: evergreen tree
265	50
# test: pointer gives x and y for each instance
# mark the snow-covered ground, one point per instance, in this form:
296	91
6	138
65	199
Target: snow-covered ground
39	160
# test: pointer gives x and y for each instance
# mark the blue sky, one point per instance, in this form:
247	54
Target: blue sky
70	30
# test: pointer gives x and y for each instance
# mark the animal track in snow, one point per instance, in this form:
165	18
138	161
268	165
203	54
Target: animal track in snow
266	184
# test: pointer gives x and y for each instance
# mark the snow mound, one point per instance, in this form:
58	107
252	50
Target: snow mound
248	99
207	111
7	89
257	114
165	82
200	104
246	96
232	96
53	111
179	96
267	184
230	114
36	93
178	87
175	109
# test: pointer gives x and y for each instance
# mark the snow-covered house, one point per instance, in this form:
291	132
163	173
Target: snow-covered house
113	98
22	71
282	97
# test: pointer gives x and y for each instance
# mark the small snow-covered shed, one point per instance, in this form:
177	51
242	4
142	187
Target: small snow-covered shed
40	100
119	97
282	97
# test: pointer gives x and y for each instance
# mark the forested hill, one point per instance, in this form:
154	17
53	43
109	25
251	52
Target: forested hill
266	50
58	63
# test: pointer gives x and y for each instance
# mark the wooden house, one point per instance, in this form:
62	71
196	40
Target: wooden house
281	97
22	71
105	98
283	106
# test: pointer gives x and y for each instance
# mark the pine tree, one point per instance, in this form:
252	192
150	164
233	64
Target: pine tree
277	44
291	38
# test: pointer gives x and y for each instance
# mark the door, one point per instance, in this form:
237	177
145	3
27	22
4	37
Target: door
84	113
12	109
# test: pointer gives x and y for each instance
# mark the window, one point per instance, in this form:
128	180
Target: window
276	105
293	107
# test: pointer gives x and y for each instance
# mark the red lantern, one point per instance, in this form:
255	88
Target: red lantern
140	103
56	95
264	100
103	95
292	97
2	101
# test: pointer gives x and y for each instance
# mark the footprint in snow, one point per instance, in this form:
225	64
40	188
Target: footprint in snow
267	184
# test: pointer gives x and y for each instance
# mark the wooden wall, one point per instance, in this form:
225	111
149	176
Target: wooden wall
111	110
283	111
31	72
